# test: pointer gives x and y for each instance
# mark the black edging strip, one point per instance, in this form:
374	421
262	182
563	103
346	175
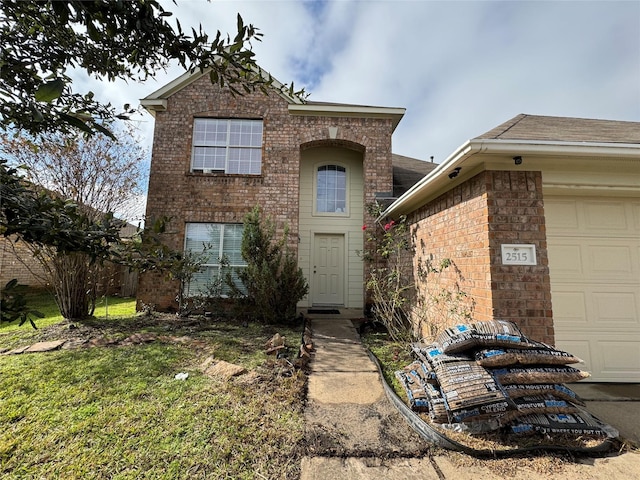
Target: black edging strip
434	436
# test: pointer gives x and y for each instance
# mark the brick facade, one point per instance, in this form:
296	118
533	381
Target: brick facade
184	197
468	225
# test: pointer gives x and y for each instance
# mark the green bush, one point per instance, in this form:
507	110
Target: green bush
273	282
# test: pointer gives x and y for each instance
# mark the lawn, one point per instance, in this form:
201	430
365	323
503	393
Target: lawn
43	302
118	411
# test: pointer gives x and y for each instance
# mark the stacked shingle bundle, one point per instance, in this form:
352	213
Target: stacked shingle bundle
488	375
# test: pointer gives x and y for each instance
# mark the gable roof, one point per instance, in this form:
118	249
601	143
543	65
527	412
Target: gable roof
533	136
157	101
565	129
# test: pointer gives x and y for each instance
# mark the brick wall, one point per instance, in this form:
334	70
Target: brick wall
16	261
468	225
189	197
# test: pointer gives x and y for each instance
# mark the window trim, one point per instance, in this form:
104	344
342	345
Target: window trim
347	173
228	147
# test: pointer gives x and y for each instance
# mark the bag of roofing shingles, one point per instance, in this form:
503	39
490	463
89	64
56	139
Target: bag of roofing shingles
493	333
417	398
438	411
541	354
471	393
579	423
544	404
557	390
538	374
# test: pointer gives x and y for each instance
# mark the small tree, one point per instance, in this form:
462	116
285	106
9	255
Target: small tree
273	282
97	174
390	283
49	223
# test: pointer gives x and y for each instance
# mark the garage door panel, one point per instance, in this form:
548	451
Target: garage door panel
610	259
598	307
566	259
619	357
561	214
616	309
595	260
608	357
594	265
570	305
605	216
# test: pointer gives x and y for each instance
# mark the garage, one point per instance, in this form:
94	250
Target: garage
594	264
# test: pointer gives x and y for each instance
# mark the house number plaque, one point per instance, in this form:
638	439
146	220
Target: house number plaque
519	254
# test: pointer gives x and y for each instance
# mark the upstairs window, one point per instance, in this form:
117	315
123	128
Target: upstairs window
331	189
227	146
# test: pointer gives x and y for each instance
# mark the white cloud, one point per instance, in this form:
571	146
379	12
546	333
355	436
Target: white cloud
460	68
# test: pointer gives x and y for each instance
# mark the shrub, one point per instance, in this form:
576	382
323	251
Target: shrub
273	282
411	301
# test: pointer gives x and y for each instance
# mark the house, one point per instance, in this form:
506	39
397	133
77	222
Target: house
17	261
541	219
311	165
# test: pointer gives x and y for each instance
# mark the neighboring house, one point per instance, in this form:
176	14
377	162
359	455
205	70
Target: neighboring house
17	262
541	218
311	165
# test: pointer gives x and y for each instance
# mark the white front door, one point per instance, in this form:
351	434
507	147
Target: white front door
327	282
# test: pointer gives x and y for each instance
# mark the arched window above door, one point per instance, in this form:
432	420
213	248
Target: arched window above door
331	189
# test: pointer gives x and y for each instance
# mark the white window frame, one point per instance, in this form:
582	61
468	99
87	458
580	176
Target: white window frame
239	153
213	264
345	212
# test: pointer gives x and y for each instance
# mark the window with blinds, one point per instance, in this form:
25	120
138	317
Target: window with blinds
221	243
231	146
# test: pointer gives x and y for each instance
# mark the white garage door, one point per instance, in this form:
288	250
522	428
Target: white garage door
594	263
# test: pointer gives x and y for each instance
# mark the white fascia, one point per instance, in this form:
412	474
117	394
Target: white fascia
467	156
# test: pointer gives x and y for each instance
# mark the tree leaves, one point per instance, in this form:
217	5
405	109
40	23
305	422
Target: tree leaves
49	91
109	40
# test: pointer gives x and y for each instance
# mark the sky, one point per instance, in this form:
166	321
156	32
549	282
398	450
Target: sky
459	68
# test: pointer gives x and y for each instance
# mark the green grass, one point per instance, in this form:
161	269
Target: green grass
392	356
43	302
119	413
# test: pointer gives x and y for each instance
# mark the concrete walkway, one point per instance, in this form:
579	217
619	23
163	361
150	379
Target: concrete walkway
355	433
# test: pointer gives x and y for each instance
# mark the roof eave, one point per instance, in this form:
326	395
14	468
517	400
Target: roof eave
157	101
467	155
352	111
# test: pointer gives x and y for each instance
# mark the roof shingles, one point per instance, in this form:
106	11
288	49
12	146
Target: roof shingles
564	129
